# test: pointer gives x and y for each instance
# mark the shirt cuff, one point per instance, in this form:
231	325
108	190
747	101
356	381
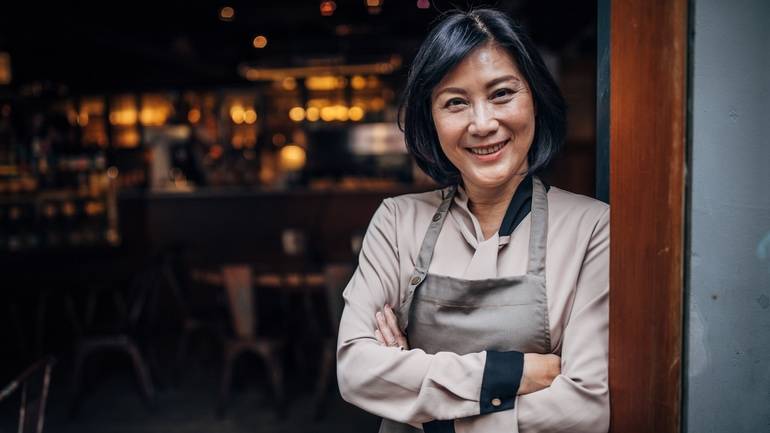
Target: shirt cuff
436	426
500	384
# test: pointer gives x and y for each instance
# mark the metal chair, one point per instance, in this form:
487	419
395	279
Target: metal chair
194	322
34	383
239	284
130	312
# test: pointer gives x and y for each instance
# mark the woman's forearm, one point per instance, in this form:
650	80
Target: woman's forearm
409	386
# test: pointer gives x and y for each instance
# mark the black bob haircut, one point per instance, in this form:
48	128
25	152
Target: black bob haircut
450	41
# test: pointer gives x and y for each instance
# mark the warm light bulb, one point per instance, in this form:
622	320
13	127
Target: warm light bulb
297	114
423	4
356	113
194	115
250	116
292	157
237	114
328	7
313	114
226	13
358	82
341	112
328	113
260	42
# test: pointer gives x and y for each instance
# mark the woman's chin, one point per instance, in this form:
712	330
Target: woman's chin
490	181
494	176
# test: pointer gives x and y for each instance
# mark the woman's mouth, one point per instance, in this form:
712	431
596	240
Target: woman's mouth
487	150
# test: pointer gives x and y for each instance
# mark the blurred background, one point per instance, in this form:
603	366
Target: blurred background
183	191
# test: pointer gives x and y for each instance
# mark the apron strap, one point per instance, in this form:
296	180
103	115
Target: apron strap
538	235
425	255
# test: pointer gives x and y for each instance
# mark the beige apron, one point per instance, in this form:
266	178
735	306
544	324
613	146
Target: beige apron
442	313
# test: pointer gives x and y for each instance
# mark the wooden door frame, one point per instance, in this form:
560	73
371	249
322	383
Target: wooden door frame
647	136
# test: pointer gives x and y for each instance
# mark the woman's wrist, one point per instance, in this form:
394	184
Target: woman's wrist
539	372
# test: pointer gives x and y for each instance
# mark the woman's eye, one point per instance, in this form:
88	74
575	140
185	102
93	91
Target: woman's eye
454	102
502	93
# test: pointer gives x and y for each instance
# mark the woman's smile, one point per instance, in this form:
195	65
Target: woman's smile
488	152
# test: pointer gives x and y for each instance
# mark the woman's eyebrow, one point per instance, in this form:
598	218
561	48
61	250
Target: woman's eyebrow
491	83
450	90
499	80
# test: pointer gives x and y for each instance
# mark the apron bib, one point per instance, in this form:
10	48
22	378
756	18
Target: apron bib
442	313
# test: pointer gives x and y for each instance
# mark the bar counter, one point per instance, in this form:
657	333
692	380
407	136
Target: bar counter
212	226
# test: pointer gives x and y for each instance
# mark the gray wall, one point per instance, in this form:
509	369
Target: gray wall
727	358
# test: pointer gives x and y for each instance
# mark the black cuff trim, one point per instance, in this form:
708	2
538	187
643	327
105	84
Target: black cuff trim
436	426
502	377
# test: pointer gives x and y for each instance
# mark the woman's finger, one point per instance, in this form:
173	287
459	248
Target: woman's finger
391	320
390	317
379	337
382	324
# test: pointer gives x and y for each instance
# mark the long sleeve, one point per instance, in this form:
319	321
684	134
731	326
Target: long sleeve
406	386
578	399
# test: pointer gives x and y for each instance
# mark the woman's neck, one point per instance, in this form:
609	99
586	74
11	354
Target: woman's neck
490	204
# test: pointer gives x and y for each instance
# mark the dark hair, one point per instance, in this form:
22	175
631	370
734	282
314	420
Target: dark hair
446	46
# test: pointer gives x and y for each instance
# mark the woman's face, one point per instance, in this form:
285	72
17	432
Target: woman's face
485	117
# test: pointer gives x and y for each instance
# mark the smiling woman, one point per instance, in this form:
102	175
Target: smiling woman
468	329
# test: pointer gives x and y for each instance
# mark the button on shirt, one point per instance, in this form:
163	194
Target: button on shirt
418	388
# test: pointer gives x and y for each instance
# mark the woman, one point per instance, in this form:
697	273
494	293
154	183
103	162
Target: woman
482	306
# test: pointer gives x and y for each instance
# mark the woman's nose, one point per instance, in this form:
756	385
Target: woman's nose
483	121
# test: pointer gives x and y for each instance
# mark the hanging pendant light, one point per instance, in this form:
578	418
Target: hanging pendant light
374	6
328	7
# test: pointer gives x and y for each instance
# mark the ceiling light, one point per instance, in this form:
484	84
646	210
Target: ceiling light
328	7
260	42
226	13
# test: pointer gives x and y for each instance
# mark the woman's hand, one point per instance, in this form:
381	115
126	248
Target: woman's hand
539	372
388	332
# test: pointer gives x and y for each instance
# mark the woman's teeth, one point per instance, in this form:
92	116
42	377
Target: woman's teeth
487	150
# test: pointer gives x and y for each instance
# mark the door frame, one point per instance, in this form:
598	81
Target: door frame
646	126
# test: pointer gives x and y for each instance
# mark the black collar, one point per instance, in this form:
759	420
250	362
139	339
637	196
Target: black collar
519	207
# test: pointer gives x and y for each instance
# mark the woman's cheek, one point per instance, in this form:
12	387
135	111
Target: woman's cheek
449	129
517	112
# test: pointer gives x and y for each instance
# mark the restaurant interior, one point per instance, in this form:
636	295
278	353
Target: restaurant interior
184	187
